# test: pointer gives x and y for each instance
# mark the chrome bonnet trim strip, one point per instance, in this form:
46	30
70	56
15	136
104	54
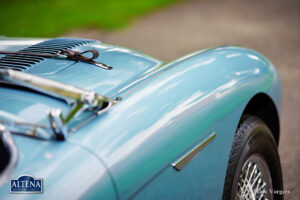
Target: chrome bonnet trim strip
188	156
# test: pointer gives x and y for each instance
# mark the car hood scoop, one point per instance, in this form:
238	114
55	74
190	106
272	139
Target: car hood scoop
128	65
53	46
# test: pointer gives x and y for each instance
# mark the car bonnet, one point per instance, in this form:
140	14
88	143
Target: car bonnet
24	105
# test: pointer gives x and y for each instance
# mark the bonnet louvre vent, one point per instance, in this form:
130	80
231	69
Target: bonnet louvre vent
23	62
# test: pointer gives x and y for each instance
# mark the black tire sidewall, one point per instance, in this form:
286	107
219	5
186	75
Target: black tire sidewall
259	140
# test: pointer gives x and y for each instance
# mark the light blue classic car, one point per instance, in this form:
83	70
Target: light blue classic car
80	119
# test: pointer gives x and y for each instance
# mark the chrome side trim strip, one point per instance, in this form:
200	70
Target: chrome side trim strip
187	157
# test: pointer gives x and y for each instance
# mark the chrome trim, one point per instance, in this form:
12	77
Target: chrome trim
102	65
28	129
52	88
255	181
6	138
99	112
82	100
57	124
187	157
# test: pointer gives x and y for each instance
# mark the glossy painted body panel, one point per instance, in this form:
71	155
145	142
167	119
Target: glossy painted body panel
68	171
165	111
172	110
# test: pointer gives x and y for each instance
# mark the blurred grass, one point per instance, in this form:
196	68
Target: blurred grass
41	18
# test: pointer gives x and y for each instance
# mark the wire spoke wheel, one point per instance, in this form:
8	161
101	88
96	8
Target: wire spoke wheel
255	180
253	170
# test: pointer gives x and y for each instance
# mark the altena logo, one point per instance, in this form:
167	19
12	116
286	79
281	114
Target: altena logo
26	184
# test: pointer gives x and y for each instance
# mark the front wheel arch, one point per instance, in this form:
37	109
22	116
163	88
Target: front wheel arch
262	106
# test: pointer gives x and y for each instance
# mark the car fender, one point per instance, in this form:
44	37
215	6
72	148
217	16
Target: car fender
169	112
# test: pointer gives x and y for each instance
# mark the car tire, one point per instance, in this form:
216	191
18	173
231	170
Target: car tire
253	159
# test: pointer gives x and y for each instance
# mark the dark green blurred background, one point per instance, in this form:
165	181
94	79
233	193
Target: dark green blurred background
41	18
